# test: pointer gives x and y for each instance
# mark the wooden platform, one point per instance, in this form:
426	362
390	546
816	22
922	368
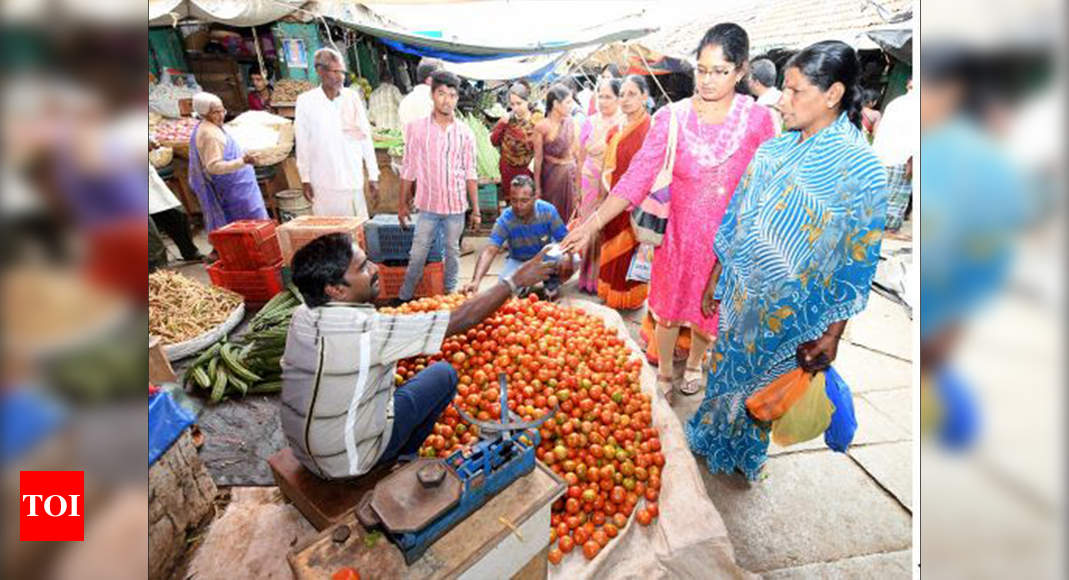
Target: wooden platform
482	545
320	501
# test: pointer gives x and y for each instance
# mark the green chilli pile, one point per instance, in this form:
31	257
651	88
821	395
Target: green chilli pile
250	364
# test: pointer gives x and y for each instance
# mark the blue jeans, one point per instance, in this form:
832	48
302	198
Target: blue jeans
512	264
427	227
417	405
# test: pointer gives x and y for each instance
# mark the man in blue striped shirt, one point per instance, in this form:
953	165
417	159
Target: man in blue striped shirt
525	227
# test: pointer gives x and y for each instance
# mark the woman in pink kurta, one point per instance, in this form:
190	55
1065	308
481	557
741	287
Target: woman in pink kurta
710	159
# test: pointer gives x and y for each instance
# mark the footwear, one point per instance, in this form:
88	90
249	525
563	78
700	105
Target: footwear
693	381
666	386
552	295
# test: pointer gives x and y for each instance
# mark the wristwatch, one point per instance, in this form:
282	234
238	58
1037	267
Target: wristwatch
512	285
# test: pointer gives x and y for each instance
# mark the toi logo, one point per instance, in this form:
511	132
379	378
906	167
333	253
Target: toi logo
51	506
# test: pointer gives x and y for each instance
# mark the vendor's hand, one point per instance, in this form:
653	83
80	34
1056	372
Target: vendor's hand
471	287
476	220
402	216
533	271
709	304
817	355
248	158
308	193
565	268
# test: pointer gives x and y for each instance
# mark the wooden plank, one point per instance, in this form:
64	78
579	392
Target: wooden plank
320	501
456	551
537	568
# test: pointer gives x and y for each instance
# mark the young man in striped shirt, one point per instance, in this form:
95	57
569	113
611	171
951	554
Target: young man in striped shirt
440	160
526	227
340	411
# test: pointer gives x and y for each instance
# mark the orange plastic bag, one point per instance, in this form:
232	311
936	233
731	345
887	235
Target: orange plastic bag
771	402
808	418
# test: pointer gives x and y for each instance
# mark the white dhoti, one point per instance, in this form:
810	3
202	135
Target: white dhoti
339	202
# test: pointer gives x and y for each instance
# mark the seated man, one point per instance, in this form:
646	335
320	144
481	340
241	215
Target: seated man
527	226
340	411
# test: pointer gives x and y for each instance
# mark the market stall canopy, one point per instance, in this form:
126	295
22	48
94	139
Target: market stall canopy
631	58
896	40
231	12
470	35
505	69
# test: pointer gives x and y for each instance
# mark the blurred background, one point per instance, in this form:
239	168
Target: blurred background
992	296
74	280
74	243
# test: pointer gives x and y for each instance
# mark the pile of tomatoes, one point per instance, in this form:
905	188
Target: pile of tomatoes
601	442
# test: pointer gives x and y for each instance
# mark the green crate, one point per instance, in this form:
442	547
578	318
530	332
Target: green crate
488	196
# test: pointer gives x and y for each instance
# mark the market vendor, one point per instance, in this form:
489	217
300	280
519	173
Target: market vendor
340	411
260	95
526	227
221	173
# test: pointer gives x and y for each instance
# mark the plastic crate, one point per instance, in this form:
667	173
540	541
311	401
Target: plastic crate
391	278
294	234
386	241
247	244
488	196
257	286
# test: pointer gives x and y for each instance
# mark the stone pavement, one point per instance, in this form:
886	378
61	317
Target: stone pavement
817	513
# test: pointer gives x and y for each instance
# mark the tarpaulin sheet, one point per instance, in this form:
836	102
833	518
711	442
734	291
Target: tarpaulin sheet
688	539
232	12
166	421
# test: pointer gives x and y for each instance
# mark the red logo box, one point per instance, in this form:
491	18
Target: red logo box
51	506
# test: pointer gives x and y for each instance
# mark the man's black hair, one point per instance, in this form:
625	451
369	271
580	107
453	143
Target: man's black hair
322	262
444	77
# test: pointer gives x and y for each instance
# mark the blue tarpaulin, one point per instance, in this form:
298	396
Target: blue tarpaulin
26	418
166	421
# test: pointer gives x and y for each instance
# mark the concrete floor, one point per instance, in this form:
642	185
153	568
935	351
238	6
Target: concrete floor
817	513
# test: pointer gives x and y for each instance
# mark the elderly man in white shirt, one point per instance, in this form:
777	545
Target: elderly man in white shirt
762	83
334	143
418	104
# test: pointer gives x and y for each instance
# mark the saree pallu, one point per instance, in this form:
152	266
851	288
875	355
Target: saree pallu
618	242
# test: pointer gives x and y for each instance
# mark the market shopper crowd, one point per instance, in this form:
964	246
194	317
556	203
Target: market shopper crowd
771	232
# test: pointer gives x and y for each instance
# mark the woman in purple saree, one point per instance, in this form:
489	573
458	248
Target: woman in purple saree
220	173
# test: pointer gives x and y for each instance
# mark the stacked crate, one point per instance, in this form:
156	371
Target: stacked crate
250	259
296	233
389	245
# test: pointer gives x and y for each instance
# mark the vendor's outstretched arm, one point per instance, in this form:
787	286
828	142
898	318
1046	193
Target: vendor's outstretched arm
478	307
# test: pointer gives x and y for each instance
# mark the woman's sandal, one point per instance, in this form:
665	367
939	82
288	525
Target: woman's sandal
693	381
666	385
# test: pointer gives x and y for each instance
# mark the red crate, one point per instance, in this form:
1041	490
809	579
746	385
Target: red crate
247	244
391	278
258	285
294	234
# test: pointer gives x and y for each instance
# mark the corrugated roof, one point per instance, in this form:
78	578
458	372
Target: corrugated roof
788	24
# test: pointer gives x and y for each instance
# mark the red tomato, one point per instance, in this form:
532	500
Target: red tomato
346	574
643	516
565	544
555	556
591	549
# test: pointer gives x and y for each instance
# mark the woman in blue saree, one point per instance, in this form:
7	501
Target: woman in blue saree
797	250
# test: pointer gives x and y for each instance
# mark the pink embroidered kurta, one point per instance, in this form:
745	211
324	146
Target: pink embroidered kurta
710	160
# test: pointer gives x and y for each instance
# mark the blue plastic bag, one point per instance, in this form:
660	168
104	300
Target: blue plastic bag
840	433
961	414
166	421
